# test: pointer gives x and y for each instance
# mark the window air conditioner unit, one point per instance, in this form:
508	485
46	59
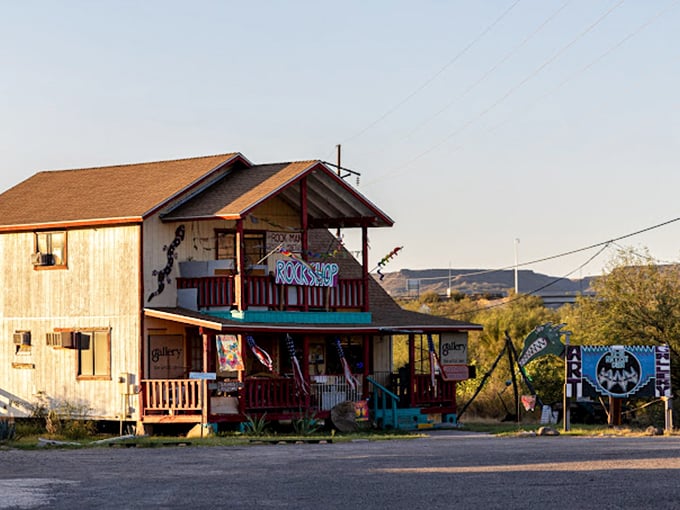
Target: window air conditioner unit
42	259
62	339
22	338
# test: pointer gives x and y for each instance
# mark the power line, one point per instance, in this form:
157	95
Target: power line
600	57
435	76
489	71
507	94
603	244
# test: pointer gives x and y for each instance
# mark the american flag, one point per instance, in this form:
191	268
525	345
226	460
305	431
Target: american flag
434	362
262	355
351	380
297	372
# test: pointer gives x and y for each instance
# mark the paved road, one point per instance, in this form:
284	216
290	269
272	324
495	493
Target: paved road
445	470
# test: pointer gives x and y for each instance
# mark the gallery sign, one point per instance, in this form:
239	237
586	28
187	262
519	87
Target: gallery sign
453	349
618	371
313	274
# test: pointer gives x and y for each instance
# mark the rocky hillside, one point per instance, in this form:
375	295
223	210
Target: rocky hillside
414	282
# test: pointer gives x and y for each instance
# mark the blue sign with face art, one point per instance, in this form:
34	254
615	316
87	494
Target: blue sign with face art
618	371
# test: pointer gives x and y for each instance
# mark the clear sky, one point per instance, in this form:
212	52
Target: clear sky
472	123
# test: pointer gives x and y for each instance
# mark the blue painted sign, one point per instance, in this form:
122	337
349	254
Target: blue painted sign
618	371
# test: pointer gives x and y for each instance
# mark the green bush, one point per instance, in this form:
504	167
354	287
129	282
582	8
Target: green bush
256	426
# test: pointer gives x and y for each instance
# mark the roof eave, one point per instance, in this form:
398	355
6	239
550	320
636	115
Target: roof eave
55	225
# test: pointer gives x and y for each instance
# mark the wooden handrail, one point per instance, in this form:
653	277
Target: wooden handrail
384	393
172	394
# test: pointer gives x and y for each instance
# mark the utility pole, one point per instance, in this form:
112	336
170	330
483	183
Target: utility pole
339	147
448	291
516	267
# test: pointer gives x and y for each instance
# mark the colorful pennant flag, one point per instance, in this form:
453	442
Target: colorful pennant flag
543	340
228	353
261	355
351	380
386	259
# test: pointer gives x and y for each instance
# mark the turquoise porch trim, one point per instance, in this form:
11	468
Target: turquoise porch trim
295	317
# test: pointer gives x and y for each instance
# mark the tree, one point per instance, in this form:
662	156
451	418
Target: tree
637	301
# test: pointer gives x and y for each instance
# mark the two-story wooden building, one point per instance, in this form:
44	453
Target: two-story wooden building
203	290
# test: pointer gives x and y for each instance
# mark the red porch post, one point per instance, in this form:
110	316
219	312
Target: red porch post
367	356
305	236
364	264
240	286
305	367
205	411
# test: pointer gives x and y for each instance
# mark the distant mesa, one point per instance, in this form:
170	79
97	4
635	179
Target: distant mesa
555	291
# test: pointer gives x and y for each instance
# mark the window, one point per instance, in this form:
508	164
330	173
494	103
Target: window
50	249
254	247
94	354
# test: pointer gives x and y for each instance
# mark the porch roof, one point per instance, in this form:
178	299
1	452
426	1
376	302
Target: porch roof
331	202
403	322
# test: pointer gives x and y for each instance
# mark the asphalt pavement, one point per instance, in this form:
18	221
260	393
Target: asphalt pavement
446	469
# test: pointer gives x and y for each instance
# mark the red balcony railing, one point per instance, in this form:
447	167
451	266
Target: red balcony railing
218	291
426	394
275	393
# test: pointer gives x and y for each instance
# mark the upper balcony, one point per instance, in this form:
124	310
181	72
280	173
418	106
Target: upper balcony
263	292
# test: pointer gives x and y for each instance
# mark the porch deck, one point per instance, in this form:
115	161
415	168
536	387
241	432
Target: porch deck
184	400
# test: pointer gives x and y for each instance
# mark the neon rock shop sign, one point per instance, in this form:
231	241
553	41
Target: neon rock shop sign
314	274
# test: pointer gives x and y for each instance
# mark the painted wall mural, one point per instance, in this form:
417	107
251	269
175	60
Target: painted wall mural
618	371
163	275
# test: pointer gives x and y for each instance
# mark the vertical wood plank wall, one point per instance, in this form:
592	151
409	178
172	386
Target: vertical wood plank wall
99	289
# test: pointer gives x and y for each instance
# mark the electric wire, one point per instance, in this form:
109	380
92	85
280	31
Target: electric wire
603	244
589	65
427	82
488	72
404	167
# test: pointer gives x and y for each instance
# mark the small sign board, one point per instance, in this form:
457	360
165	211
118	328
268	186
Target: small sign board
208	376
455	372
453	349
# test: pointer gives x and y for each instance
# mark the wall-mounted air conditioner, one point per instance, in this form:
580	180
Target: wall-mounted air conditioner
22	338
42	259
65	339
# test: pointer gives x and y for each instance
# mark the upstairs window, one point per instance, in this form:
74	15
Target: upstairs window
253	247
50	250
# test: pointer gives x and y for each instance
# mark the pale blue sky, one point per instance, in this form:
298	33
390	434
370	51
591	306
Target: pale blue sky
472	122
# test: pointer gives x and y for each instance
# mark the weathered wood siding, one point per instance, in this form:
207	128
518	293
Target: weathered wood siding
99	289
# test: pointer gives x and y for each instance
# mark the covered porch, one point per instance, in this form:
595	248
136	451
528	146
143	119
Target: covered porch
202	391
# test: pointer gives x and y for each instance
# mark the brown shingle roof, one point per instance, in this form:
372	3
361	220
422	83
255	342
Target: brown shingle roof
104	193
240	191
330	200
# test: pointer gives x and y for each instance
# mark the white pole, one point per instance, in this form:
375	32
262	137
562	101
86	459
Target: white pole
516	266
448	291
